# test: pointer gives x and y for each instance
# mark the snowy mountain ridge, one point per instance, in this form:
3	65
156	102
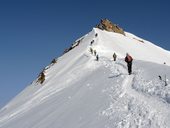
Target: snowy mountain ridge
80	92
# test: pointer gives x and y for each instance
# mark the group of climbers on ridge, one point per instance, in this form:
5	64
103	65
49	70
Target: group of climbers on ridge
93	51
128	59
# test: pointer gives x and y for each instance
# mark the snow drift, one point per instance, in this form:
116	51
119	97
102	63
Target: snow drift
79	92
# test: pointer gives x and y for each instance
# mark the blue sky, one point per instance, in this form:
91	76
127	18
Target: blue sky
32	33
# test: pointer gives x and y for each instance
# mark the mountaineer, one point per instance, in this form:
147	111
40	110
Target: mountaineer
114	56
128	60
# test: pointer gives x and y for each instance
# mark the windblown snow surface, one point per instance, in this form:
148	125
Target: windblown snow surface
80	92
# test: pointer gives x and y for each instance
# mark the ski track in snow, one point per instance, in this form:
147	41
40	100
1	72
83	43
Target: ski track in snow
127	85
151	103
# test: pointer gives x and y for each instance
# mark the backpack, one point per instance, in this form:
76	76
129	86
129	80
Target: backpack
129	58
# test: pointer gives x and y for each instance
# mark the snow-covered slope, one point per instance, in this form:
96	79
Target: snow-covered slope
79	92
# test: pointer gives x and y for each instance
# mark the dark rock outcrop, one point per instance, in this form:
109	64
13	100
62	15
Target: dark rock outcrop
41	77
53	61
107	25
75	44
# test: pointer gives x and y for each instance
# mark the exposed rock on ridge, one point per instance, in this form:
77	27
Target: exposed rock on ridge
107	25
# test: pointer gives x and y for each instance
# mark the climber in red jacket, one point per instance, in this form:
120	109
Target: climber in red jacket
128	60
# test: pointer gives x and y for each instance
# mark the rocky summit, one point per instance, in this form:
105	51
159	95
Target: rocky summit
107	25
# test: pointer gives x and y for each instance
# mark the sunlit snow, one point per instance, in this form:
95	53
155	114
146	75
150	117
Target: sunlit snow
80	92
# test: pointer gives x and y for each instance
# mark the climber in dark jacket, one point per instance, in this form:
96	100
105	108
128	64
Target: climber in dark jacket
114	56
96	35
128	60
91	50
91	43
95	52
97	57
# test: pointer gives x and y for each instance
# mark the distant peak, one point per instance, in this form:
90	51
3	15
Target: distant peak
107	25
